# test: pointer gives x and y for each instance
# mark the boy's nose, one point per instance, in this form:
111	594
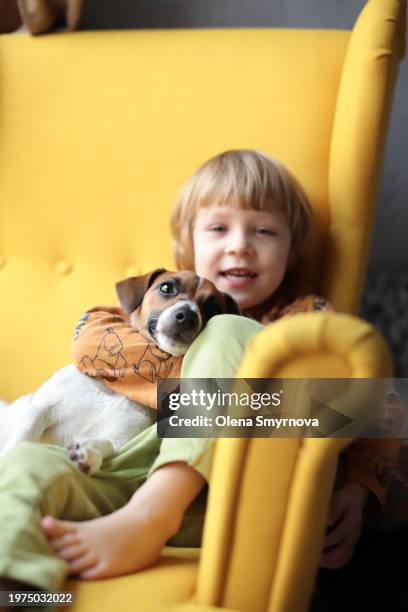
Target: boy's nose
238	243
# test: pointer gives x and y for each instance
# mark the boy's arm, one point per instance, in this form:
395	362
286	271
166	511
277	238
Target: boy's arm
366	468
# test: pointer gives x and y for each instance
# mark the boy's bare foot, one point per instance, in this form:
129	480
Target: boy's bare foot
128	540
131	538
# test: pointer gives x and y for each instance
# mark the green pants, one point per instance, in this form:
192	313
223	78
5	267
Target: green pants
36	480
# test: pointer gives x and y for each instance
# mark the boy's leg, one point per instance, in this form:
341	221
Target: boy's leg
38	480
216	353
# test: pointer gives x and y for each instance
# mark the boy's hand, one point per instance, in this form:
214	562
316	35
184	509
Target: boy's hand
345	521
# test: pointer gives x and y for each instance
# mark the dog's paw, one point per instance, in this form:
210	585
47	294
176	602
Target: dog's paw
85	456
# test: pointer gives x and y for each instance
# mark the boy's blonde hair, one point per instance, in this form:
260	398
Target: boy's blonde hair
244	178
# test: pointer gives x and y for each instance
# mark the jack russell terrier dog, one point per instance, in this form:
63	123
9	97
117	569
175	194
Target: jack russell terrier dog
82	413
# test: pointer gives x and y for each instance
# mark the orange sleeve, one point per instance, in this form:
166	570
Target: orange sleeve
369	461
101	342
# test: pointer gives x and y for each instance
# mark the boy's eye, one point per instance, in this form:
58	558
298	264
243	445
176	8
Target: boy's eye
266	231
217	228
167	289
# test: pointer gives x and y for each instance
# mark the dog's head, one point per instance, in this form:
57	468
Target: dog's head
172	307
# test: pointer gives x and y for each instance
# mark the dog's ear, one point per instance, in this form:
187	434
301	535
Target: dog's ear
131	291
232	306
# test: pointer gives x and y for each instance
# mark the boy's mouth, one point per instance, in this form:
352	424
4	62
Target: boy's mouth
238	273
238	277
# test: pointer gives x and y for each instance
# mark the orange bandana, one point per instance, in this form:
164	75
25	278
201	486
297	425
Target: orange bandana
108	347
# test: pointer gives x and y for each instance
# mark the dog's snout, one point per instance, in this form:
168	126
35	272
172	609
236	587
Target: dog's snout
186	317
178	326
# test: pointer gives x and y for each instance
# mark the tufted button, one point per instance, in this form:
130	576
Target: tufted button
132	271
63	267
2	260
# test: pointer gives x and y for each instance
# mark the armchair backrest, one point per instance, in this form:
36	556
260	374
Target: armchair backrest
99	130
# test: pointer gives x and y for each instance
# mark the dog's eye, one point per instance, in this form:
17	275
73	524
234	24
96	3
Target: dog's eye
167	289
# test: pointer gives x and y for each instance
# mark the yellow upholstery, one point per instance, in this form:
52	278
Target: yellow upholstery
170	582
97	133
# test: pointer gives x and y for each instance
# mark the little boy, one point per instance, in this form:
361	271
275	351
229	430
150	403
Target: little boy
242	221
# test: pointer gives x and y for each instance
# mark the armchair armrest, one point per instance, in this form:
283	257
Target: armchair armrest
269	497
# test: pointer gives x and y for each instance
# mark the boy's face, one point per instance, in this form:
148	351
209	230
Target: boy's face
244	252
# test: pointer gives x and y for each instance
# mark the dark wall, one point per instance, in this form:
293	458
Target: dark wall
220	13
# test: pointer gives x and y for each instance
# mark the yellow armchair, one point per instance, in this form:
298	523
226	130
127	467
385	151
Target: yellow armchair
97	133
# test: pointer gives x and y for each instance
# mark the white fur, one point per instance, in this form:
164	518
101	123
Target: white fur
166	343
72	409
